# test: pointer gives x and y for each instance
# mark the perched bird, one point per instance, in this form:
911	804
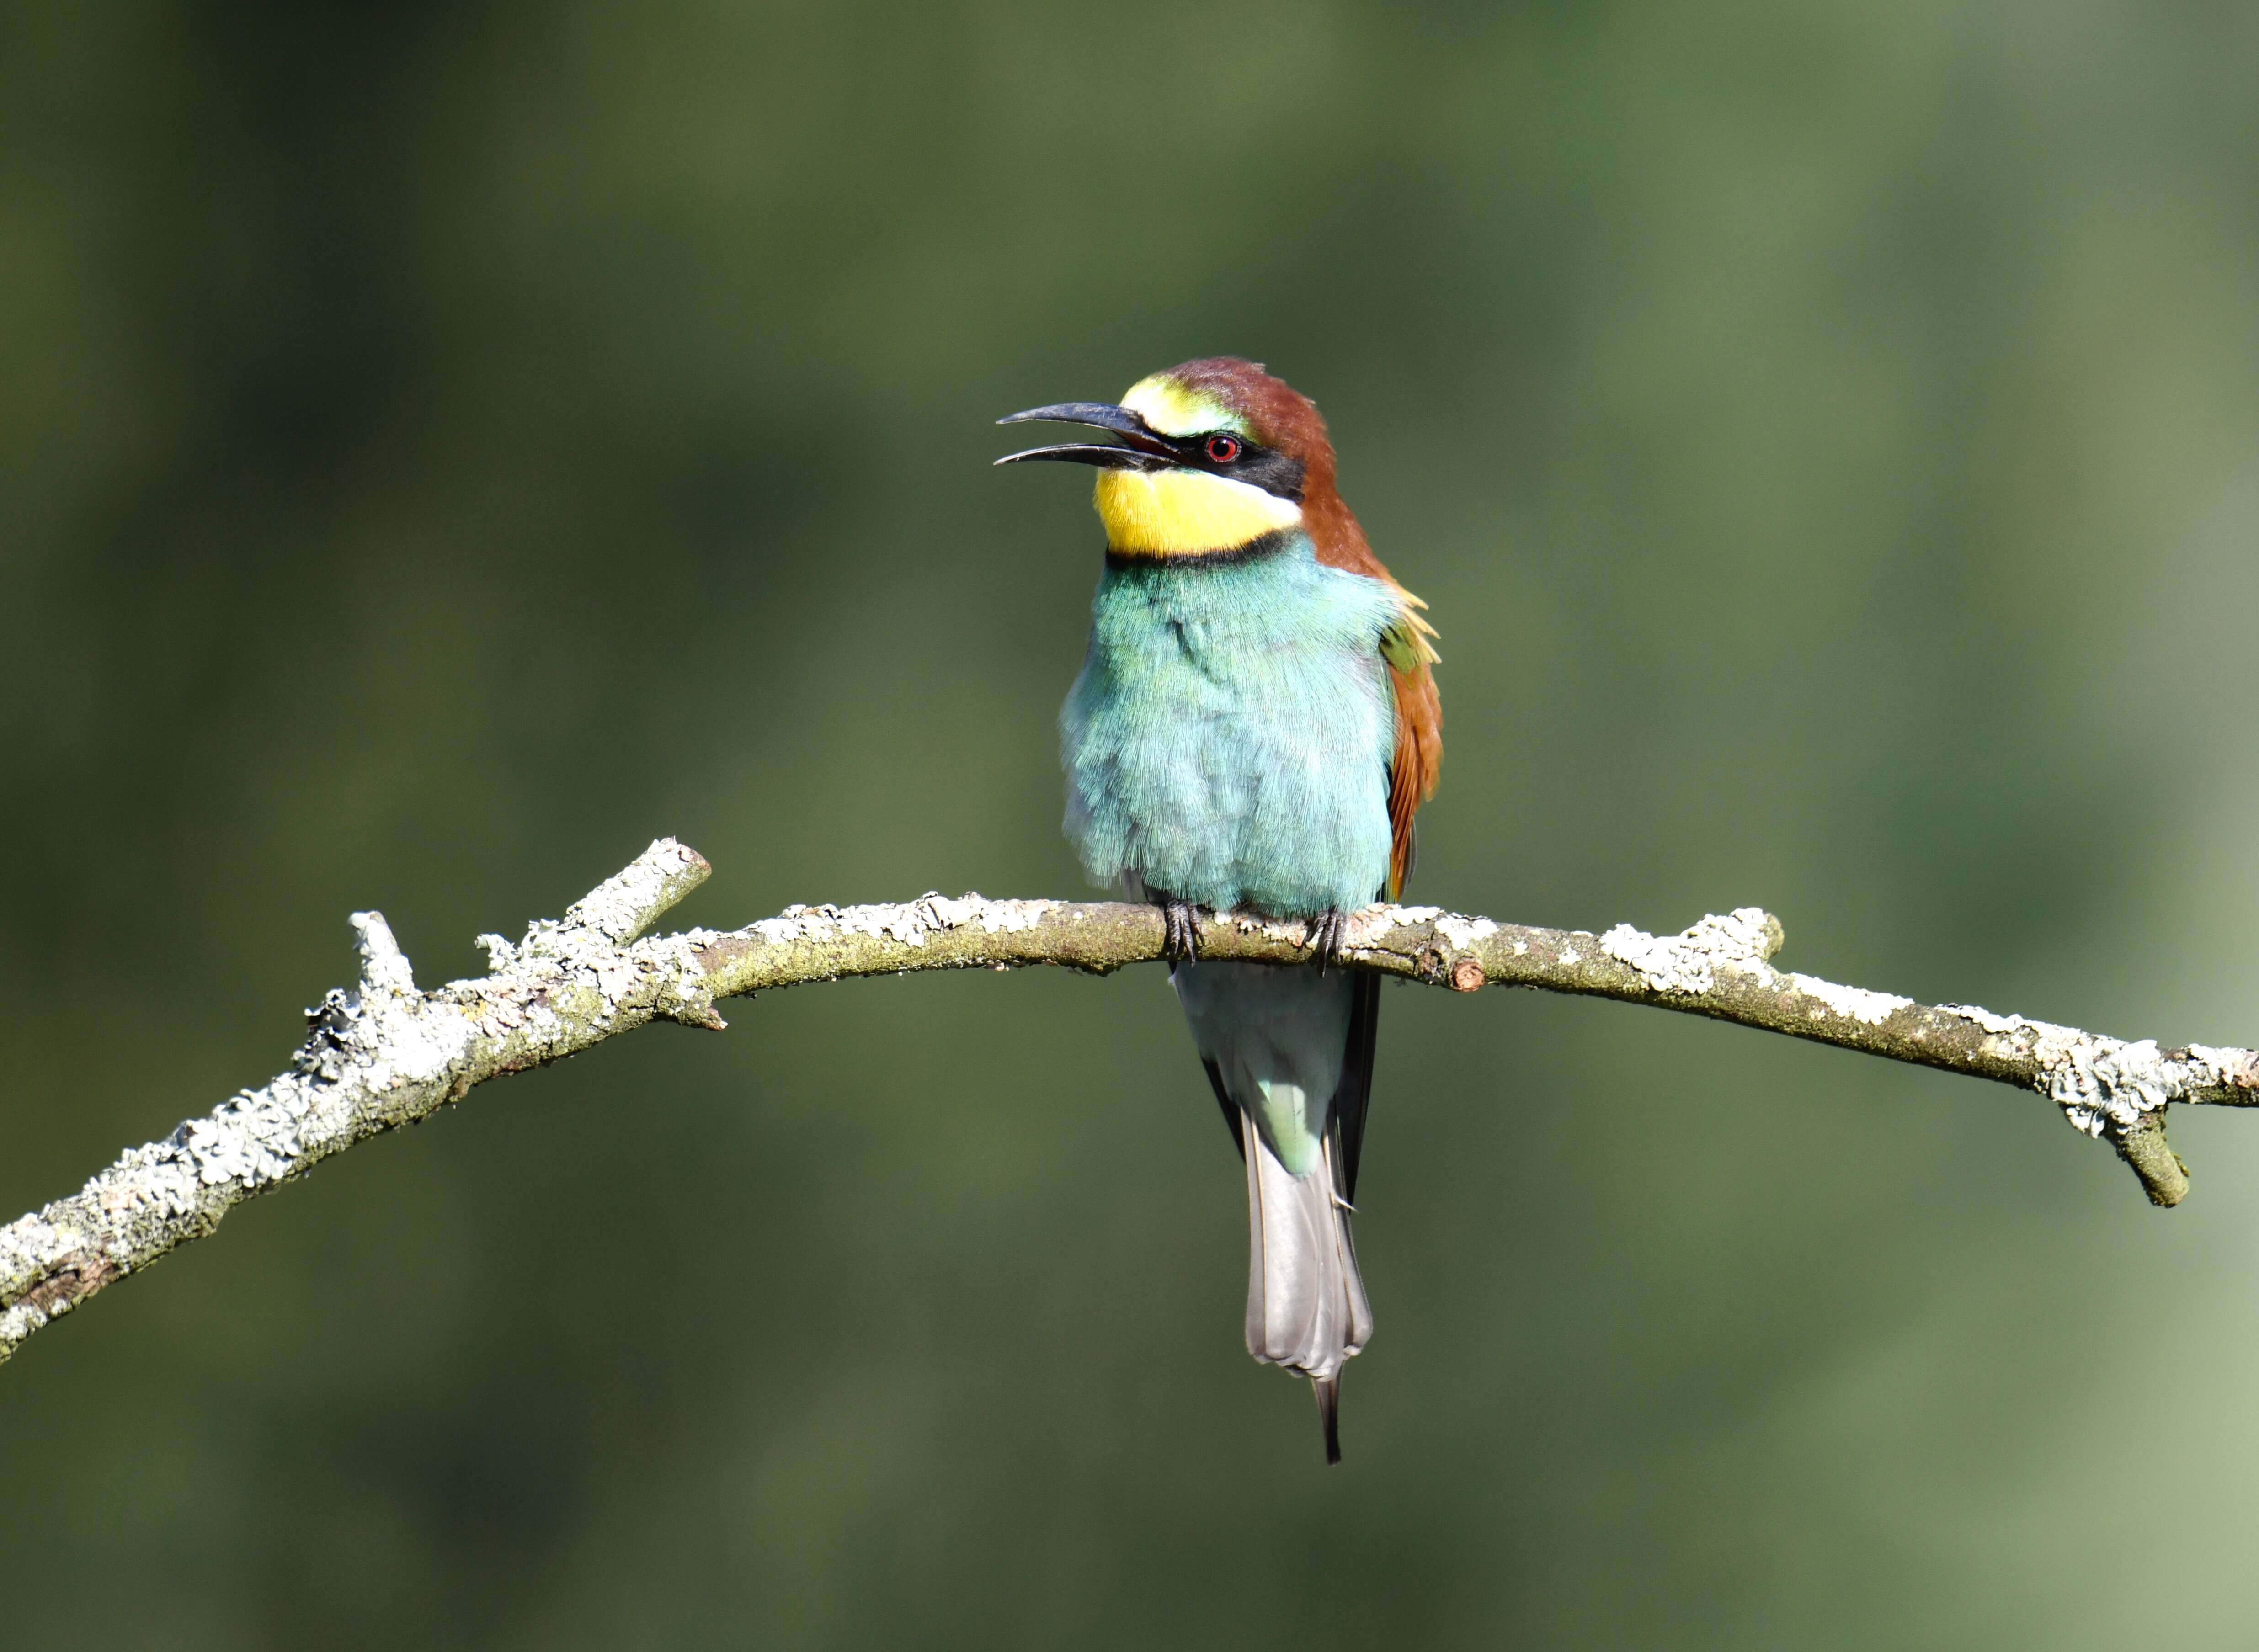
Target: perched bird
1255	724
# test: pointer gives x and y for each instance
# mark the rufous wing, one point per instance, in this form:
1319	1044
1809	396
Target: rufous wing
1419	759
1408	647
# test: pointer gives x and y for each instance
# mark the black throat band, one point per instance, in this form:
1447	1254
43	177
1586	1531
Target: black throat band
1256	550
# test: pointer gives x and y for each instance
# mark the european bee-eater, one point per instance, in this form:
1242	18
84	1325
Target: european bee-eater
1255	724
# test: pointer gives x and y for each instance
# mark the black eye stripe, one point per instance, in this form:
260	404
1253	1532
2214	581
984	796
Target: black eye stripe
1254	463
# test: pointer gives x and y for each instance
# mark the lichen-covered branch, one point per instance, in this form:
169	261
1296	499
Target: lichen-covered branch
383	1053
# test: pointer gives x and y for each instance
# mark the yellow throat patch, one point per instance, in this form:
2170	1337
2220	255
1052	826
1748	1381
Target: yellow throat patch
1186	513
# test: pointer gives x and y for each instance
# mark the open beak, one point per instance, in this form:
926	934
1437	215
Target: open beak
1141	448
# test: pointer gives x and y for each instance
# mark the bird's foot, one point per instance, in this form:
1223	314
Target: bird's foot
1180	929
1328	938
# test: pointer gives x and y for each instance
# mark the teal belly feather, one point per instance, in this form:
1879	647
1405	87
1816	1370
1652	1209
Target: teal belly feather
1228	739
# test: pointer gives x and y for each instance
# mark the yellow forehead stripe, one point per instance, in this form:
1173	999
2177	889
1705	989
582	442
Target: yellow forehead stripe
1180	513
1174	410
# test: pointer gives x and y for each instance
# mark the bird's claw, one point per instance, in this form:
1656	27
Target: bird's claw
1180	930
1328	938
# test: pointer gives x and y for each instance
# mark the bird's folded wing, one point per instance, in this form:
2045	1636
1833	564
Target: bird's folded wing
1419	758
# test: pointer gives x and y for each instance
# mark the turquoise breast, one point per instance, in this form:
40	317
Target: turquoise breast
1227	742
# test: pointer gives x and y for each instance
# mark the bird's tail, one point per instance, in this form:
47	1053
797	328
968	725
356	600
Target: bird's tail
1306	1305
1289	1053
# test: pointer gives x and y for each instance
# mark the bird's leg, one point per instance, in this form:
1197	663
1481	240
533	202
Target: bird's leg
1179	928
1329	937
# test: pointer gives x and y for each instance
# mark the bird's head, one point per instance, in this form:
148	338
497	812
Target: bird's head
1212	456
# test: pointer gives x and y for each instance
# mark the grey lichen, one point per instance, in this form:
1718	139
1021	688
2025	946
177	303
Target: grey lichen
1852	1003
623	906
2102	1085
1689	962
384	1053
912	922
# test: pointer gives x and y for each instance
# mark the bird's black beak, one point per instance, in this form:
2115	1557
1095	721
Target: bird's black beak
1142	447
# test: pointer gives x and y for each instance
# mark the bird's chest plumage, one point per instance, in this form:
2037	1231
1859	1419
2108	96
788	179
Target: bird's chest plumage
1227	742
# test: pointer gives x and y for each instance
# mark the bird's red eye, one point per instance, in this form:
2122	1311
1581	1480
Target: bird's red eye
1221	450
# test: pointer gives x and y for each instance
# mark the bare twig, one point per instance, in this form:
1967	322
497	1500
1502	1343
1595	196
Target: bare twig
385	1054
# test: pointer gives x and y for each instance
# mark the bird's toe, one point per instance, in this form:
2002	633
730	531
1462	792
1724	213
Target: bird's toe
1180	930
1329	937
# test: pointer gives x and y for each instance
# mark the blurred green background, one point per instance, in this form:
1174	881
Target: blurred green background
443	447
